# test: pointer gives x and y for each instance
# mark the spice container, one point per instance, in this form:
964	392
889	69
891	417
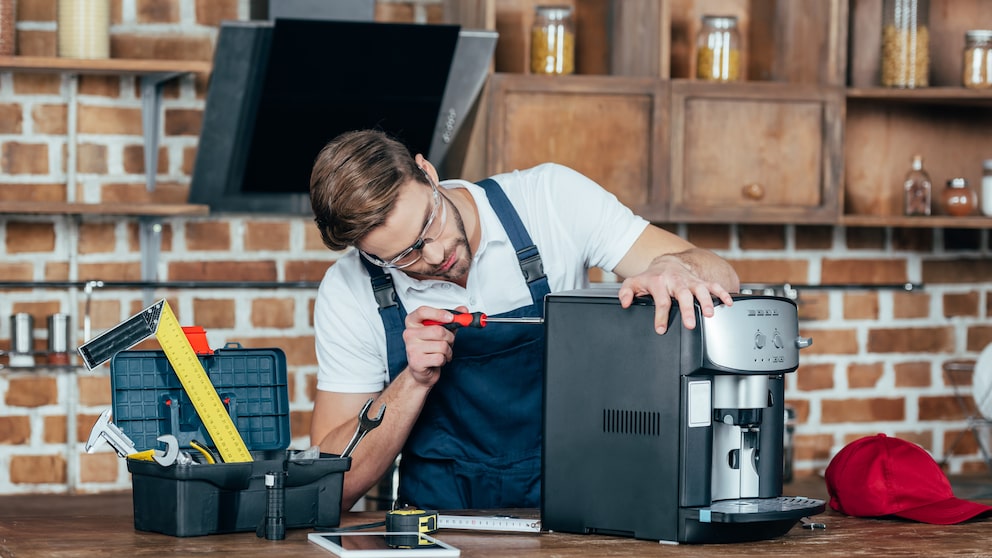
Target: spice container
718	52
987	187
8	27
905	43
552	41
918	190
84	29
959	198
977	64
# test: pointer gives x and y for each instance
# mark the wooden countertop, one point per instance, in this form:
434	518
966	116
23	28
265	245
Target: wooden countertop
103	525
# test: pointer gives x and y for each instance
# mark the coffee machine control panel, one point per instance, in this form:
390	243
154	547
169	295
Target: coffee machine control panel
757	334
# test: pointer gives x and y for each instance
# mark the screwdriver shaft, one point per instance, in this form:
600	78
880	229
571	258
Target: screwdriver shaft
529	320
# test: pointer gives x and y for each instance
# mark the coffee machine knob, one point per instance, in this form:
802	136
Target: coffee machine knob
777	341
759	340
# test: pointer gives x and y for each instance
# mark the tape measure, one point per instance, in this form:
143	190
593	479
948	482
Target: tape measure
410	523
159	320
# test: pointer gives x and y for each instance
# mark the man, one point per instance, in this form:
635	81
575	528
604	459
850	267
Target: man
464	406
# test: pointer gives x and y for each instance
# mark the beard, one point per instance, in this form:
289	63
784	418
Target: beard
458	246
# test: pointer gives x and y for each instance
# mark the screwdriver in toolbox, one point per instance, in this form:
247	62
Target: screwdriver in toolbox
478	319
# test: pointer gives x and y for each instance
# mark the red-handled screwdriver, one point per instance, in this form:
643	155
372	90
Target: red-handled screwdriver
478	319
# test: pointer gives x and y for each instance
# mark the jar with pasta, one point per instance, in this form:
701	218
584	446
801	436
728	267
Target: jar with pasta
977	63
552	41
905	43
718	51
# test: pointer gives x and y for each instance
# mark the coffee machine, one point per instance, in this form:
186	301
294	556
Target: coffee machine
675	437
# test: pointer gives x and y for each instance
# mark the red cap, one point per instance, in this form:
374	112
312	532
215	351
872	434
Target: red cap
878	476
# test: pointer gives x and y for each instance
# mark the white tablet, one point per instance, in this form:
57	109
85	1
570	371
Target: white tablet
386	545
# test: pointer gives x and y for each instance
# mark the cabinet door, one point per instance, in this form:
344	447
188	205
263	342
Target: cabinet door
756	152
612	129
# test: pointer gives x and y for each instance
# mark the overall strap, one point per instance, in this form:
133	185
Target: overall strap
527	255
392	314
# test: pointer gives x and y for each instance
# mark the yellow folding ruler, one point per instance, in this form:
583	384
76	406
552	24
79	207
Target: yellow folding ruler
159	320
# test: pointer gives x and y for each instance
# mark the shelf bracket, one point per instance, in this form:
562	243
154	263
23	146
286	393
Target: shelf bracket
151	104
150	236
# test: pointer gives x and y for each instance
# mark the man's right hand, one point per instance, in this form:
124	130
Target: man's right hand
428	347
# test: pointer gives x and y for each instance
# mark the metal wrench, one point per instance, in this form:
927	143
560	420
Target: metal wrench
106	431
365	424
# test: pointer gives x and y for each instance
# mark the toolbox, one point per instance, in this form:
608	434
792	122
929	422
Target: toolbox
208	498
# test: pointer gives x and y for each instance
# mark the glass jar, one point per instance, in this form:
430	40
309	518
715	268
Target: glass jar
552	41
8	27
987	187
83	29
959	198
917	189
905	43
718	51
977	65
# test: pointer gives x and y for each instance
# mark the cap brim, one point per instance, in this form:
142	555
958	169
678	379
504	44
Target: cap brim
945	512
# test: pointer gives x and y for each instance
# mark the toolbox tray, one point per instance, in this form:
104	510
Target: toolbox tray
202	499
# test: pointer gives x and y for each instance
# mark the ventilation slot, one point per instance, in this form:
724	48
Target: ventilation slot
642	423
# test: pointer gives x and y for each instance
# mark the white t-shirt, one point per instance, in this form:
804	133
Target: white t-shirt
574	222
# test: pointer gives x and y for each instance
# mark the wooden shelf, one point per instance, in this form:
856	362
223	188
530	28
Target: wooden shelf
923	95
119	66
933	222
137	209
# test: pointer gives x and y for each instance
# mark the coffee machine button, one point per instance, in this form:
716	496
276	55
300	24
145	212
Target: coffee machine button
759	340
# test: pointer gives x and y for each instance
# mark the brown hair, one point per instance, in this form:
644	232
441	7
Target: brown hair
355	183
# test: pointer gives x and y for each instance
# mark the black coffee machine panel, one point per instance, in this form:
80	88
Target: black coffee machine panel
675	437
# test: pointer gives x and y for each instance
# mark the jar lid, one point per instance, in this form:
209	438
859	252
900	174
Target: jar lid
957	183
720	21
554	11
978	35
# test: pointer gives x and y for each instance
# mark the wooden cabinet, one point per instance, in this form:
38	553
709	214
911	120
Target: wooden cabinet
808	138
765	152
613	130
946	123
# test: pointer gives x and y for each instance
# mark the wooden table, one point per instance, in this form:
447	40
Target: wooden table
103	525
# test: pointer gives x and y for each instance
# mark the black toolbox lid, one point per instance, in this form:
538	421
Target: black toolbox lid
149	400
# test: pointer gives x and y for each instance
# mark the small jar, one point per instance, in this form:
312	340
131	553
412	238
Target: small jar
959	199
977	64
987	187
83	29
905	43
552	41
718	50
8	27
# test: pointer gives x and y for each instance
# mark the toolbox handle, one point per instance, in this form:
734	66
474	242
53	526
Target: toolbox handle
232	345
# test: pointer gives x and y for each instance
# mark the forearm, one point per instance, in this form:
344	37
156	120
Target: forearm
404	399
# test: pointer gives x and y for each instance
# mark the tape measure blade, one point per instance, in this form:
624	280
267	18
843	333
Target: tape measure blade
489	523
214	416
121	337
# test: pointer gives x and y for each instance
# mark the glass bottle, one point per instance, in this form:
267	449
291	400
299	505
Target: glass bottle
918	190
552	41
718	51
987	187
977	64
905	43
959	199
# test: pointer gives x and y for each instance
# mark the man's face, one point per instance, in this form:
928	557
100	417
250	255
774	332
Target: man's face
424	236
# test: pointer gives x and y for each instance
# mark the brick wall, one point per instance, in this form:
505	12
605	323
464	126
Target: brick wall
875	365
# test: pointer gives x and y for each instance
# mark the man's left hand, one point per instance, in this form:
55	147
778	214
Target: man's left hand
671	276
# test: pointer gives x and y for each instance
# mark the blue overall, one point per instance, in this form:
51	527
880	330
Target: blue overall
477	442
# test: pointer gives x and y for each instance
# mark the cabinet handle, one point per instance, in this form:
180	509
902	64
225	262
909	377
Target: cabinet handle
753	191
